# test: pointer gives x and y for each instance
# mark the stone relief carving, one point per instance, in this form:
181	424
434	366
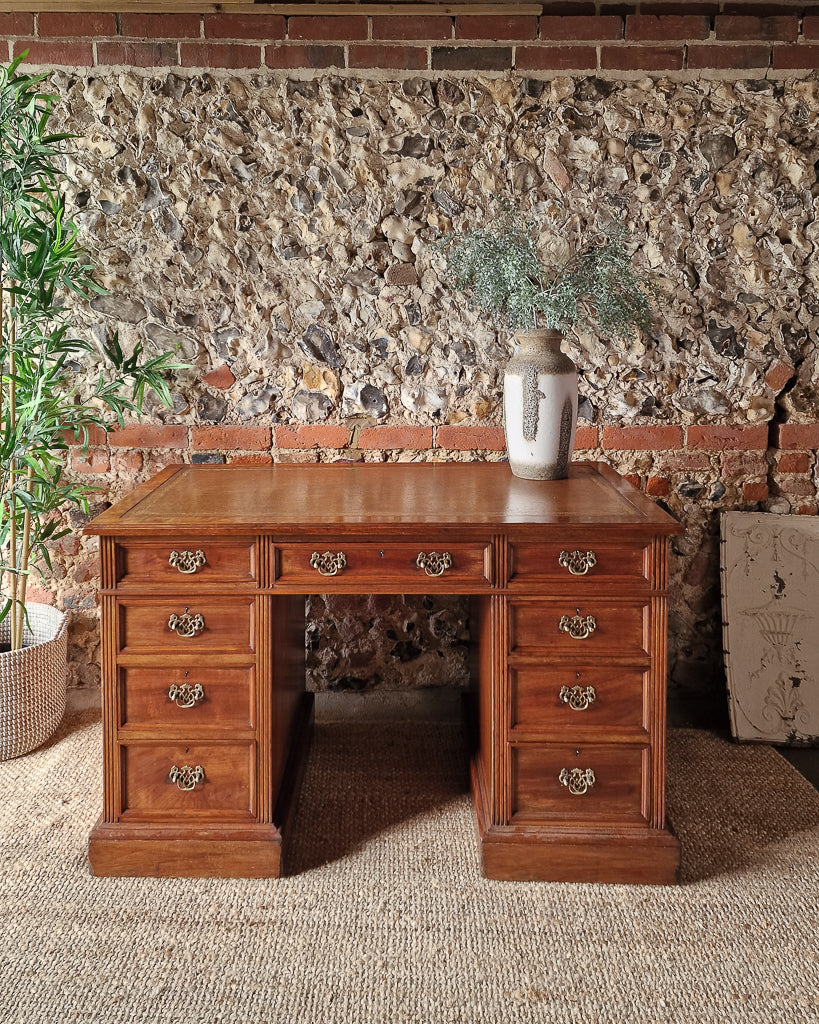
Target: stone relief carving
770	595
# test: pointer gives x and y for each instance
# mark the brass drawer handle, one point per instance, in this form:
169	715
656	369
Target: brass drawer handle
577	697
187	561
187	776
579	627
577	562
186	695
578	780
434	564
328	564
186	625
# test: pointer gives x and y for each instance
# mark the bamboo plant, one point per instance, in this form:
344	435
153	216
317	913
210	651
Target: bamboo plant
53	386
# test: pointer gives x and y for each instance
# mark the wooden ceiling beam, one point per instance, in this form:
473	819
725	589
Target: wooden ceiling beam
242	7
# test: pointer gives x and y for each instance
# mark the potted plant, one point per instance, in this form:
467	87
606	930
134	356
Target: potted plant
52	386
542	292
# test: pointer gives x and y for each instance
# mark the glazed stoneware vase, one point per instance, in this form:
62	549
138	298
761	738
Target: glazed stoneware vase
540	406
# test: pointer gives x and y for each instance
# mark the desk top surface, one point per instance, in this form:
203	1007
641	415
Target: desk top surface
368	497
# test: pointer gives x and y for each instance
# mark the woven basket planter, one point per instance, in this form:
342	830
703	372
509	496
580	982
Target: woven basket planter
32	681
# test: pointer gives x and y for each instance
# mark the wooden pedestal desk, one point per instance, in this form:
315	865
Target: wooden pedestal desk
206	722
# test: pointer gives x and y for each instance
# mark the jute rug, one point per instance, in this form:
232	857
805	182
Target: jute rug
388	919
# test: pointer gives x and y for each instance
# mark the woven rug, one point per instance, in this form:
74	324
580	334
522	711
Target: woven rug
387	919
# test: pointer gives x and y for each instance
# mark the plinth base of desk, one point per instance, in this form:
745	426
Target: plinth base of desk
553	854
124	849
153	852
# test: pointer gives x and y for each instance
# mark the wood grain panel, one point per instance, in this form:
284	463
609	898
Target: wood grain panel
229	624
621	630
386	563
228	704
226	561
226	793
539	561
536	706
619	794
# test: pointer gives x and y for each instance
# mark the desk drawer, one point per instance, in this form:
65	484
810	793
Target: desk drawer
390	567
175	561
579	559
192	623
188	781
600	783
556	698
190	698
575	628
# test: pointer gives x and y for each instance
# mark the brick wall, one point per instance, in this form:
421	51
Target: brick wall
696	468
755	462
727	38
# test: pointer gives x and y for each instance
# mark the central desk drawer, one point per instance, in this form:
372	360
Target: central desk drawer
188	781
389	566
193	623
187	698
577	627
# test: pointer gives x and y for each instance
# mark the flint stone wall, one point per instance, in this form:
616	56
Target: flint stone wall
278	232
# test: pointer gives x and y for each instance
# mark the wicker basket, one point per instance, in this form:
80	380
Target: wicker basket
32	681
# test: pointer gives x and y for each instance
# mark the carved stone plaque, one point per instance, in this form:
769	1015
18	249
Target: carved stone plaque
770	621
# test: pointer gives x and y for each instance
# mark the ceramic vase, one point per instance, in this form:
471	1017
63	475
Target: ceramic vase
540	406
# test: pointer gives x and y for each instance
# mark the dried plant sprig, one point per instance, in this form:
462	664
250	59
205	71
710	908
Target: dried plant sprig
597	288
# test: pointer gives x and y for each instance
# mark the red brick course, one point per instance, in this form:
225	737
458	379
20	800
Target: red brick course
797	435
737	464
405	26
54	52
810	26
586	438
736	57
471	438
344	28
16	24
138	54
796	56
580	29
307	435
387	437
641	58
471	58
244	26
230	438
719	437
782	28
220	55
667	26
377	55
149	435
556	58
642	439
755	492
496	26
793	462
69	26
298	55
160	26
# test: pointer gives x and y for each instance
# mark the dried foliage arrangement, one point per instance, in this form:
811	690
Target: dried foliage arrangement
528	276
